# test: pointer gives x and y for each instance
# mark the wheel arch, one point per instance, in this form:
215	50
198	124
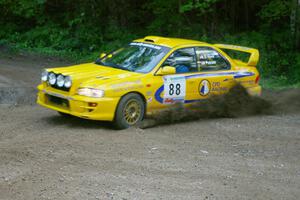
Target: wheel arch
133	92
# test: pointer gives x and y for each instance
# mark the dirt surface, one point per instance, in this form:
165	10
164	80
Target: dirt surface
46	156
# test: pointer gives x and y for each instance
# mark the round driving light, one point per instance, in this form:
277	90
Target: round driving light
44	76
52	78
68	82
60	80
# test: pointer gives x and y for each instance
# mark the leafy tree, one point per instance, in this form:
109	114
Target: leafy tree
85	26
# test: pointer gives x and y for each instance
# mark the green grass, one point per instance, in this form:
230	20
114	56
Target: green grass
67	54
278	83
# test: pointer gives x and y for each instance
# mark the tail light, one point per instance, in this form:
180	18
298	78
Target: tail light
257	79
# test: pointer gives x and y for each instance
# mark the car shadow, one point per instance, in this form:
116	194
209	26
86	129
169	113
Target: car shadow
76	122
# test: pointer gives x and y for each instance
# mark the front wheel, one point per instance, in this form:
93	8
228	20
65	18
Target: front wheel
130	111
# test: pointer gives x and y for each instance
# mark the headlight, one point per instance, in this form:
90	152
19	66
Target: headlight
44	76
68	82
90	92
60	81
52	78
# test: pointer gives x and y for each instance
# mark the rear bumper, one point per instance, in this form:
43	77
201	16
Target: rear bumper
84	107
255	91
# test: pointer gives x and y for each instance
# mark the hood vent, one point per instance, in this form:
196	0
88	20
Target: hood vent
148	40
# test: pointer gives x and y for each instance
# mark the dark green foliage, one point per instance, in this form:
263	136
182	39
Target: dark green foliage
87	27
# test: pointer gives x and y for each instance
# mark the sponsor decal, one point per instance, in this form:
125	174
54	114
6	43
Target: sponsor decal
219	89
235	75
149	99
208	62
204	87
102	78
145	45
123	75
129	85
172	101
216	87
175	88
168	101
207	54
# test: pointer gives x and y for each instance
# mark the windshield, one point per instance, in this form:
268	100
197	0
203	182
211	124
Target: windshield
136	57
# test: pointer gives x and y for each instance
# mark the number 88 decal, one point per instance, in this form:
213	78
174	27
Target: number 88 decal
177	89
174	88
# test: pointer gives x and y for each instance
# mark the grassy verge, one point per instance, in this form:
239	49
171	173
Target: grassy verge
74	56
278	83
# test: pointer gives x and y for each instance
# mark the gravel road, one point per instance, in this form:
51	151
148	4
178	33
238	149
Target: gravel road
46	156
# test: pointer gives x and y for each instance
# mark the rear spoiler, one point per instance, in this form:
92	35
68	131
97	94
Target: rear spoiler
254	53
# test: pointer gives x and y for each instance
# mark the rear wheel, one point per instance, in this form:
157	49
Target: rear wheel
130	111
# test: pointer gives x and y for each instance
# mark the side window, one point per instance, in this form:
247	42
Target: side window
209	59
184	60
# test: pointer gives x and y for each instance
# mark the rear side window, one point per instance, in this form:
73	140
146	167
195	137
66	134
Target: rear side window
209	59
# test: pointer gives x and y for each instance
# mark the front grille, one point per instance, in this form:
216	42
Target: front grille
58	101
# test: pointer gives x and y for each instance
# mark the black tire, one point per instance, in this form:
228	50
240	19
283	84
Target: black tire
123	119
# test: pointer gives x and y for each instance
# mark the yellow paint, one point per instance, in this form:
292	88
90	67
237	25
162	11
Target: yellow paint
116	82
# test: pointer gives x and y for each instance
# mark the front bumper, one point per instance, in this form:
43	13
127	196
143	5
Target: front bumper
84	107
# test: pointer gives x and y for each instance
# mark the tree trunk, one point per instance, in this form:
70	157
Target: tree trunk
297	32
295	23
246	14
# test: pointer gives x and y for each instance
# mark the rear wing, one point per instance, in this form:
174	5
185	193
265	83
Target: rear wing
254	53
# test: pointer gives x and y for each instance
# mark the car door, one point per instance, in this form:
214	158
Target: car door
200	73
214	76
174	88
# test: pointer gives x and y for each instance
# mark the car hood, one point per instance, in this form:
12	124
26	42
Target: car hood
93	75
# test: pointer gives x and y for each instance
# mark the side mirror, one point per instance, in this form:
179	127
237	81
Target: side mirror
102	55
166	70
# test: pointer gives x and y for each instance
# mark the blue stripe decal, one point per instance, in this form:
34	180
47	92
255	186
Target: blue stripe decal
158	93
243	74
193	101
210	75
236	75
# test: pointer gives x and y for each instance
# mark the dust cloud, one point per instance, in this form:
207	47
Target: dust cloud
236	103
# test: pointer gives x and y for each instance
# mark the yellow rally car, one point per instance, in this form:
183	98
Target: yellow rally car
146	76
